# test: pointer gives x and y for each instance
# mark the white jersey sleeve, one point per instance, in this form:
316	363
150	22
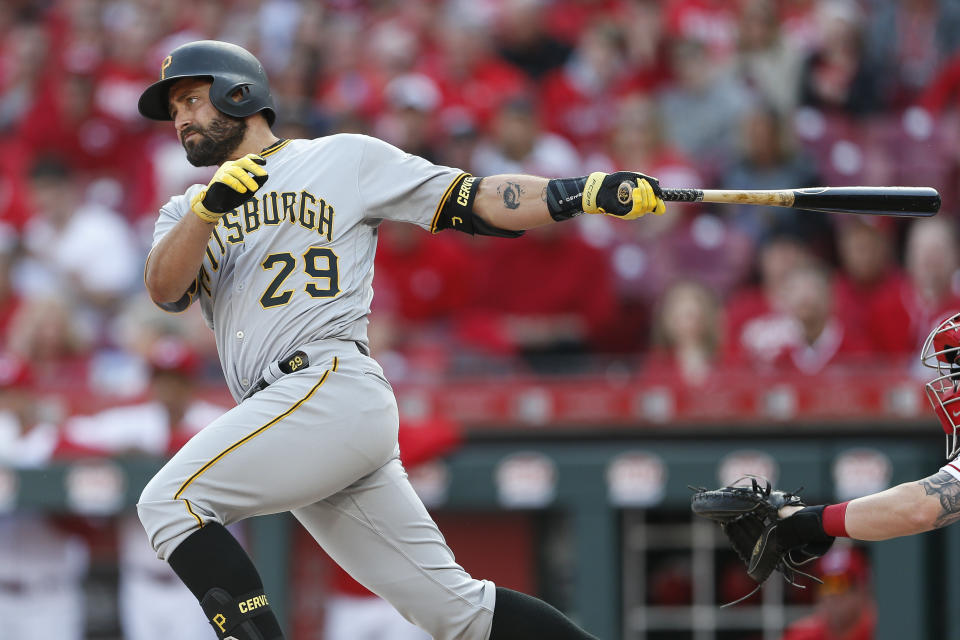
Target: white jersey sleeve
953	468
395	185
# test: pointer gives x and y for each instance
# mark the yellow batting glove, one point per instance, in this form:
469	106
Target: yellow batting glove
624	194
235	182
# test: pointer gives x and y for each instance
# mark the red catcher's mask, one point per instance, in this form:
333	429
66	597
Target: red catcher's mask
941	351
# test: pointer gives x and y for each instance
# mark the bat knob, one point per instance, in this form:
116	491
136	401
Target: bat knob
625	192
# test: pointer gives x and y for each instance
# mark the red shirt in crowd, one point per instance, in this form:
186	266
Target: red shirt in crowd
900	320
854	303
422	277
547	272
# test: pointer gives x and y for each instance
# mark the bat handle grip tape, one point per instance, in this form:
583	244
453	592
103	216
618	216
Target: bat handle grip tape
682	195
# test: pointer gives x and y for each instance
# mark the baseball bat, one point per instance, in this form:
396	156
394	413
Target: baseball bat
908	202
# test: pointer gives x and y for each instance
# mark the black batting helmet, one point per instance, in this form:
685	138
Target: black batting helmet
232	69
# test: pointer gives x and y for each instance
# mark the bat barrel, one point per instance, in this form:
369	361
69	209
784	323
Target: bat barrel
891	201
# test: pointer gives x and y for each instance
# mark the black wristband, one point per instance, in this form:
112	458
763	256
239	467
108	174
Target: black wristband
565	197
803	527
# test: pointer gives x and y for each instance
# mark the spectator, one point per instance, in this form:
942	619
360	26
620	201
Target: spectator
566	18
409	122
419	291
149	589
900	317
524	41
704	106
22	79
837	76
868	270
42	567
470	76
686	333
712	22
798	23
45	330
757	328
767	159
636	142
348	88
819	337
549	296
518	146
578	100
646	43
845	606
10	300
908	41
765	61
76	248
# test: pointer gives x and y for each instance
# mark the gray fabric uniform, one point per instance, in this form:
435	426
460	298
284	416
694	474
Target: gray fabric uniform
292	270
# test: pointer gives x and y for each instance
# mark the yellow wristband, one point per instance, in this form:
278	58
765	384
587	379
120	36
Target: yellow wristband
196	205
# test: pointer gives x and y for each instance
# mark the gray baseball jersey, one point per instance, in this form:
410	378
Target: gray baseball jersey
292	270
295	263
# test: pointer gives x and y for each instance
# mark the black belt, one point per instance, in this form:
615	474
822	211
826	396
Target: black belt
293	362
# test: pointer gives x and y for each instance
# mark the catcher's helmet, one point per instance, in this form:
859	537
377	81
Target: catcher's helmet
232	69
941	351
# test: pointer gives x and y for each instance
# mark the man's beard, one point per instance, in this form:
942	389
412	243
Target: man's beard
214	144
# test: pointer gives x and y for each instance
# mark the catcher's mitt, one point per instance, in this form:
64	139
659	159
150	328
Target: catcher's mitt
749	517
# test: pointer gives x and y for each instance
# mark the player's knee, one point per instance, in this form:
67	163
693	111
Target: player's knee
165	520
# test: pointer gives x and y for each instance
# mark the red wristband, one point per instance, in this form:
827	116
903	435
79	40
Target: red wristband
834	520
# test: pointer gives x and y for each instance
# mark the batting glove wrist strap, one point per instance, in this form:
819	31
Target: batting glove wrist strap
565	197
196	205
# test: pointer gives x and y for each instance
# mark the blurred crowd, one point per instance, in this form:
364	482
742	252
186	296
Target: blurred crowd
699	93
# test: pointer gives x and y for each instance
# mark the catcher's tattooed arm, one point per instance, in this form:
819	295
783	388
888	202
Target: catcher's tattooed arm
907	509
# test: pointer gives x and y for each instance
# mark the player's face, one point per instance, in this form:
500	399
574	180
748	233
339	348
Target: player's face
208	136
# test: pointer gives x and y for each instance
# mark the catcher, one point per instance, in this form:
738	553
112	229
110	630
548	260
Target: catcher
773	530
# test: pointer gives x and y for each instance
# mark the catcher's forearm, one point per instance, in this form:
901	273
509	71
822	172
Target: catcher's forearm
173	264
906	509
513	202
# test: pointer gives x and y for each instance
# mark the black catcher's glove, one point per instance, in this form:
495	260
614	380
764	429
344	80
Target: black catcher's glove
749	516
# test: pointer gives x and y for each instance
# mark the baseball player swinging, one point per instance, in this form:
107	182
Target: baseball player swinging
278	248
772	530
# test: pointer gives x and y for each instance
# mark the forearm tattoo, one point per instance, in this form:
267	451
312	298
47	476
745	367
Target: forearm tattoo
947	489
543	194
510	192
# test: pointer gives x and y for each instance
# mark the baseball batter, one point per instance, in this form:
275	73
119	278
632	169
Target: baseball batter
278	249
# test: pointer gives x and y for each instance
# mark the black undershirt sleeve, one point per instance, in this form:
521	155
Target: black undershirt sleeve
457	211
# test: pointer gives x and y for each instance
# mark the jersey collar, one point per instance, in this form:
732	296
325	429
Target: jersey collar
276	146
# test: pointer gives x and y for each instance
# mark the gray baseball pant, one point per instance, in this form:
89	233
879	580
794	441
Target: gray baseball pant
322	443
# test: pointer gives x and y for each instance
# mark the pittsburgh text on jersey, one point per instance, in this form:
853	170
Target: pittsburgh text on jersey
273	208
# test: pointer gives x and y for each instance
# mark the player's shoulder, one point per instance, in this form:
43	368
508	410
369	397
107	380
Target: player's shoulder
339	141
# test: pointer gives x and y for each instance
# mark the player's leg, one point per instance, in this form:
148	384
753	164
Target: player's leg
297	441
378	530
